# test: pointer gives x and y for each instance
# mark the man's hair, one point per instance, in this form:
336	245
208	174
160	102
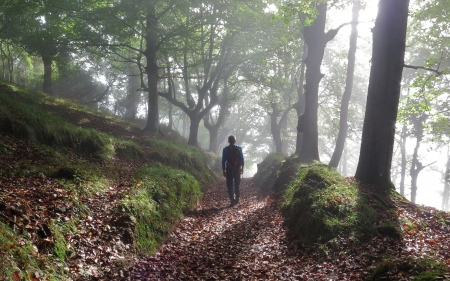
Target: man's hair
231	139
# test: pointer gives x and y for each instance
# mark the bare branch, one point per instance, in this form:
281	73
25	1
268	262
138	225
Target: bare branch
438	73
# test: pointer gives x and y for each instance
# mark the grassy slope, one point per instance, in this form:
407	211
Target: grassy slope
81	192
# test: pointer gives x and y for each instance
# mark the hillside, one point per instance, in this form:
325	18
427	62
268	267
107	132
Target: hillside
82	193
86	196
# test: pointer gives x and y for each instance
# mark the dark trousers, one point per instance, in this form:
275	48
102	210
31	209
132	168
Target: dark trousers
233	179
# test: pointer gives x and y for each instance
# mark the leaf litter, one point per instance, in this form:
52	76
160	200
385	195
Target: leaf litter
213	242
249	242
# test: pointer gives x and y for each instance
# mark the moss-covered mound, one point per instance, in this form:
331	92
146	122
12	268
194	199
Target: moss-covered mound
184	157
27	116
320	205
266	175
71	175
161	195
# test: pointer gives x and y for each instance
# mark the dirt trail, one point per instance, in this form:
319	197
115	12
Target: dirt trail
244	242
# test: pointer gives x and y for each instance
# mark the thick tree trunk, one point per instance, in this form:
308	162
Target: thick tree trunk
377	144
193	130
403	163
151	68
316	41
48	88
343	125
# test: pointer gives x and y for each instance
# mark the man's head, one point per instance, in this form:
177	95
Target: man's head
231	139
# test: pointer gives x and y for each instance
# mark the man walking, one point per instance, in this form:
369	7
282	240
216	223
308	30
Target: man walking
233	167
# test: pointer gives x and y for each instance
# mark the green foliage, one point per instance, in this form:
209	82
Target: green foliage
266	175
162	194
424	269
320	205
20	260
182	156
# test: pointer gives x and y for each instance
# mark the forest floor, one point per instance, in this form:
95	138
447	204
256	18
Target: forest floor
249	242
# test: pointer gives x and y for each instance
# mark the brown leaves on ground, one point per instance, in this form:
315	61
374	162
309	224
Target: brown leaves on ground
248	242
100	244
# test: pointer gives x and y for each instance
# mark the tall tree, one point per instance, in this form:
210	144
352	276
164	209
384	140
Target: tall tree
316	40
343	116
389	37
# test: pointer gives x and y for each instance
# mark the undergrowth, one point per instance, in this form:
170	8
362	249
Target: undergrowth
422	269
320	205
28	122
161	196
21	261
184	157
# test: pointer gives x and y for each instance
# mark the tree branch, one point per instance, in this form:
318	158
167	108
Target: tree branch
438	73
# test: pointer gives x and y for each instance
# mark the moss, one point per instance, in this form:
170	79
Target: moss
20	261
182	156
266	175
319	205
422	269
161	196
24	119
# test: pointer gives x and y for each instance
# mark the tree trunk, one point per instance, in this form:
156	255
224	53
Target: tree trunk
446	192
343	125
388	51
416	165
316	41
48	88
403	164
300	107
193	130
274	128
213	128
133	97
151	68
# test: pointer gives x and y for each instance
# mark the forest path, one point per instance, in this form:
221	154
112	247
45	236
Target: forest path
243	242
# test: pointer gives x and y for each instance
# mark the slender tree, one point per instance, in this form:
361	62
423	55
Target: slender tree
343	115
316	40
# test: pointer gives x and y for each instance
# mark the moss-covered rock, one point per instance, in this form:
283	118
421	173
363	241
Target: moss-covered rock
266	175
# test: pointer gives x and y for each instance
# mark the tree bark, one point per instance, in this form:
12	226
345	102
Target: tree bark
48	88
388	51
403	163
213	128
315	40
274	128
343	125
416	165
446	192
151	69
300	106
